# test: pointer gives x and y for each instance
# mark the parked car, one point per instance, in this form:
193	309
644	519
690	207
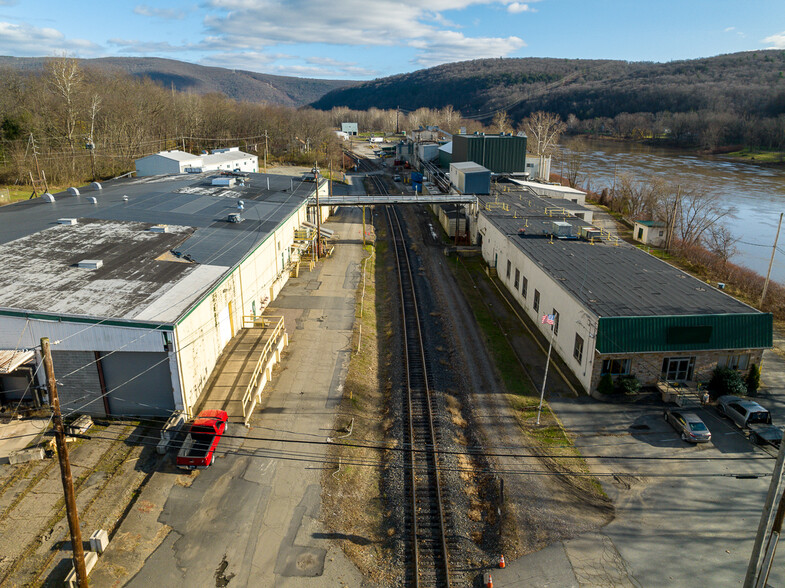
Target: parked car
743	412
689	425
766	435
201	440
396	178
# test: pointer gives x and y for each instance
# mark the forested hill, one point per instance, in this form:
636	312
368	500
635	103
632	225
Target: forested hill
742	83
238	84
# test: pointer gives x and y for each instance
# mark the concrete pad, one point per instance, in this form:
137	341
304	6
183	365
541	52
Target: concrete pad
17	434
548	568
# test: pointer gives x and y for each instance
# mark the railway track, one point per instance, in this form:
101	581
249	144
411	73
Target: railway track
426	521
363	163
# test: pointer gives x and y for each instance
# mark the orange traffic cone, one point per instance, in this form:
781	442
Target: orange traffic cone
488	581
501	562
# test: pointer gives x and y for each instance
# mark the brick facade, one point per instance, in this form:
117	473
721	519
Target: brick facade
647	367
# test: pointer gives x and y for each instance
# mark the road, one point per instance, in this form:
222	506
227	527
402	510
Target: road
252	518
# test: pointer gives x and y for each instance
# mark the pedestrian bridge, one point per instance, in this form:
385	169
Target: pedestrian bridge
371	199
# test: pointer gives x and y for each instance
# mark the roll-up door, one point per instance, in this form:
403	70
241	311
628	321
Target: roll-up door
138	384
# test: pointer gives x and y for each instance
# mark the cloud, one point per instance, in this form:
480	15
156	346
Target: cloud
516	7
27	40
162	13
146	47
729	29
776	41
448	46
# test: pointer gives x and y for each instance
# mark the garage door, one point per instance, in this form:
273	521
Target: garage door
224	326
138	384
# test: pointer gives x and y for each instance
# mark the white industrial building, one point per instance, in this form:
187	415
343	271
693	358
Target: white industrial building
180	162
140	284
619	310
553	190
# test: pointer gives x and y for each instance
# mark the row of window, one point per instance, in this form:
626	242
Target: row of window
674	369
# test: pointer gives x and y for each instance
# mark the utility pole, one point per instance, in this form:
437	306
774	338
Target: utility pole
265	152
397	129
318	212
41	176
765	519
65	468
672	222
771	263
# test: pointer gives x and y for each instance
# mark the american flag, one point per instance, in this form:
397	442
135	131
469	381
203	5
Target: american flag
548	319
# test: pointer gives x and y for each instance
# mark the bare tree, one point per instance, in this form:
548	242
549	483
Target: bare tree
721	242
501	122
543	130
65	81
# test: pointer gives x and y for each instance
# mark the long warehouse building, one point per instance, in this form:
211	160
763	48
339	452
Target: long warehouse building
140	283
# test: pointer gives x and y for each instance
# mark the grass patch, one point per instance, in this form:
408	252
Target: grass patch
759	155
549	437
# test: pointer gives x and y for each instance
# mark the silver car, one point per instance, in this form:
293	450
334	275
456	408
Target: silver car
743	412
689	424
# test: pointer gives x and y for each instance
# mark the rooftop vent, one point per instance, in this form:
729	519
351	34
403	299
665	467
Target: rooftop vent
73	191
47	197
223	182
92	200
90	264
96	186
66	221
125	198
159	229
235	217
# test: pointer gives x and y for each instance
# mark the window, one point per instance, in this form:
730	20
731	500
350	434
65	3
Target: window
536	303
662	233
555	322
615	367
677	369
524	287
577	351
640	234
517	278
735	362
509	266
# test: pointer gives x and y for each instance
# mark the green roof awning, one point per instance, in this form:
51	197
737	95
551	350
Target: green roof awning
684	333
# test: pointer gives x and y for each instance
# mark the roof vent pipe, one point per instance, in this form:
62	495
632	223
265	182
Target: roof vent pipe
47	197
92	200
96	186
73	191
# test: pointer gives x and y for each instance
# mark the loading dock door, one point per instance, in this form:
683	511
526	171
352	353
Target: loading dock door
138	384
225	326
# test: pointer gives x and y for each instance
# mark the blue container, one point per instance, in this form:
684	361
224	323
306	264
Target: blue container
416	177
417	187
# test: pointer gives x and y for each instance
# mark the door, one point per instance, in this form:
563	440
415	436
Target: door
138	383
677	369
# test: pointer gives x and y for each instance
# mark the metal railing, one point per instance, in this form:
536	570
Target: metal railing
277	333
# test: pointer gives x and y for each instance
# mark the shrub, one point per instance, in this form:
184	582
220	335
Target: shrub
753	380
606	385
628	385
726	381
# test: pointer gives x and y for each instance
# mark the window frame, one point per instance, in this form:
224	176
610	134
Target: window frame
624	363
536	301
577	349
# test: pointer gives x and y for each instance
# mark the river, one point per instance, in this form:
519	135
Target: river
756	192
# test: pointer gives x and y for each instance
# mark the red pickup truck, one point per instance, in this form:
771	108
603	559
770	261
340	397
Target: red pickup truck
198	449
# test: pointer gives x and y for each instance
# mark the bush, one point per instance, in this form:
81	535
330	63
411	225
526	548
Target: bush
753	380
628	385
726	381
606	385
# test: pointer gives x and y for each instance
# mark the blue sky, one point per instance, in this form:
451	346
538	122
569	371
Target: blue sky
364	39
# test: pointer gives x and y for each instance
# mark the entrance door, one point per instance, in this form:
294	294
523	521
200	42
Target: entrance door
677	369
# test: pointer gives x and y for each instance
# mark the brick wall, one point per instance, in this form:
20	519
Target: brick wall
647	367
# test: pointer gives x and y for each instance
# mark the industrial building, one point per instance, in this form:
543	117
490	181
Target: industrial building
180	162
470	178
650	232
619	310
140	283
503	153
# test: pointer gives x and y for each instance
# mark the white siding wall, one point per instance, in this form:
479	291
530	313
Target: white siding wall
260	276
574	318
157	164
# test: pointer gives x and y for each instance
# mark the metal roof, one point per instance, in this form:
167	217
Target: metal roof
611	280
140	267
10	359
470	167
224	157
174	154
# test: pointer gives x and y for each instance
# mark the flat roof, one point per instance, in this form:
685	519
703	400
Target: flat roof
146	275
470	166
225	157
553	187
650	223
174	154
611	280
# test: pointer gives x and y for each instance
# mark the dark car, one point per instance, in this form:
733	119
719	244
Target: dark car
766	435
689	425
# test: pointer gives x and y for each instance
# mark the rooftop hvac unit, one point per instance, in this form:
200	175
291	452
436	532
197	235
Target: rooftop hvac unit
562	230
235	217
159	229
90	264
229	182
66	221
591	233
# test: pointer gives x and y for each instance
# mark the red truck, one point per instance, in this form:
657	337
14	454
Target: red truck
198	449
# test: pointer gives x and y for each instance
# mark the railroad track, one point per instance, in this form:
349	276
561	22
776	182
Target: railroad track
363	163
426	517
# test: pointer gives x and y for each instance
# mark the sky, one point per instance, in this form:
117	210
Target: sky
366	39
